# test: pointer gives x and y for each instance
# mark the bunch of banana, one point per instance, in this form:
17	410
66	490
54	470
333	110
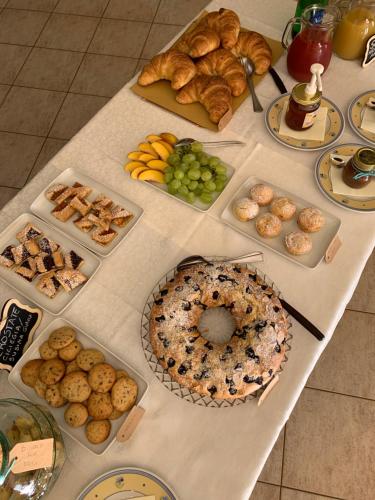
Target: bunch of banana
149	162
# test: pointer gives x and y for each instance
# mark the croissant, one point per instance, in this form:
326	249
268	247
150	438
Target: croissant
222	62
171	65
227	25
211	91
252	45
198	42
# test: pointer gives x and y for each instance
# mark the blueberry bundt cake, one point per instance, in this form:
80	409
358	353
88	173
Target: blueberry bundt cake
254	352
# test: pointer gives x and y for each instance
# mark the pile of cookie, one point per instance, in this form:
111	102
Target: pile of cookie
282	208
36	255
69	374
96	216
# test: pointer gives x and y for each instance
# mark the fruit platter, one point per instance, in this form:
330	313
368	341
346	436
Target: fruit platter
186	172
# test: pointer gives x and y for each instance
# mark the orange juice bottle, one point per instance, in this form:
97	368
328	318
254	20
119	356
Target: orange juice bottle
355	28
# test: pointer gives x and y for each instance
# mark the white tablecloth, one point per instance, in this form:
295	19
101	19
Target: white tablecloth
203	453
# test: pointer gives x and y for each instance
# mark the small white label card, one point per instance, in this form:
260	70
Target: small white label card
32	455
368	119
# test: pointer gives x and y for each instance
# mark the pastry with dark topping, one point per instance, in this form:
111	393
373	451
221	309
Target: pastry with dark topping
25	271
48	285
70	279
73	260
29	232
7	257
104	237
20	253
47	245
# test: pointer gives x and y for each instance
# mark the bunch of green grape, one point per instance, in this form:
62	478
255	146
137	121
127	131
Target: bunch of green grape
193	174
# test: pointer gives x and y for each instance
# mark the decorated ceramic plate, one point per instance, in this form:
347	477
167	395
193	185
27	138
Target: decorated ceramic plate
334	125
323	177
355	114
128	483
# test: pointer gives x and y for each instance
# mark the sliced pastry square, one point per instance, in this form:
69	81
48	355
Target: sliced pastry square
65	196
81	205
84	224
29	232
63	211
48	284
55	191
80	190
47	245
120	216
73	260
20	253
25	271
104	236
70	278
58	259
32	247
100	222
44	262
102	201
7	257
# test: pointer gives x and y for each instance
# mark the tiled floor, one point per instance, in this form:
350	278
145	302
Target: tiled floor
60	62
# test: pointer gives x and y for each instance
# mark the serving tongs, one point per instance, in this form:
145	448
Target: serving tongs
243	259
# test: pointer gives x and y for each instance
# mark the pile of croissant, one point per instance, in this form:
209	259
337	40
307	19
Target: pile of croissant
204	67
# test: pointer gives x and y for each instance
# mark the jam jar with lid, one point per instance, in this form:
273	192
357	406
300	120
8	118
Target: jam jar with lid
360	169
21	422
304	101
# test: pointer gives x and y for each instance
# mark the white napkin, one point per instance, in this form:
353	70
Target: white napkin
314	133
339	186
368	120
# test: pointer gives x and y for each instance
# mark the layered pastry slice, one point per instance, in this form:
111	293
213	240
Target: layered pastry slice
48	284
81	205
44	263
32	247
25	270
70	279
100	218
102	201
63	211
47	245
104	236
29	232
55	191
73	260
120	216
7	257
20	253
84	224
80	190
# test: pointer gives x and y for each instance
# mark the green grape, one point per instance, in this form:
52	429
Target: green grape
175	184
183	190
188	158
196	147
203	158
184	167
206	198
195	164
168	176
213	161
179	174
194	174
190	197
221	177
171	190
168	170
220	185
221	169
185	181
173	159
206	176
210	186
193	185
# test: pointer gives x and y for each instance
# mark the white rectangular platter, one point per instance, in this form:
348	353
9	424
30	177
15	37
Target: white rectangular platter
42	207
59	303
78	434
320	240
197	205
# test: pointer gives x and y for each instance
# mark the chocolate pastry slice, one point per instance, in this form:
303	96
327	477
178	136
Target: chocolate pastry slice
48	246
55	191
25	271
44	263
32	247
80	190
120	216
82	206
20	253
29	232
6	257
48	284
69	279
104	236
58	259
102	201
100	222
73	260
63	211
84	224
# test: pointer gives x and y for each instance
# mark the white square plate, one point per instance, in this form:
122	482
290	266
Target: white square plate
59	303
43	209
321	240
77	434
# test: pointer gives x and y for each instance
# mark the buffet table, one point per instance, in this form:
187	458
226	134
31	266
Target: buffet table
202	453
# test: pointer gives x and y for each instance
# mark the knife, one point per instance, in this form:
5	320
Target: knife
279	83
302	320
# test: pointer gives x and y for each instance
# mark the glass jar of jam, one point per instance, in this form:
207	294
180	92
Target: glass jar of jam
302	108
360	169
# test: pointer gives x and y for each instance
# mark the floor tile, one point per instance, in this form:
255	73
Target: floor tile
3	91
169	13
364	296
6	194
48	151
49	69
271	472
140	64
44	5
263	491
120	38
68	32
12	58
17	156
103	75
21	26
29	111
142	10
287	494
159	36
347	364
330	446
82	7
75	113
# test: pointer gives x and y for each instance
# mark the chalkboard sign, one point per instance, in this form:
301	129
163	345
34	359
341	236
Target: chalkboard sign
17	327
370	52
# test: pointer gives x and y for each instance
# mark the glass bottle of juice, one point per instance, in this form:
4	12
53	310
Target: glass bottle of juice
355	28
